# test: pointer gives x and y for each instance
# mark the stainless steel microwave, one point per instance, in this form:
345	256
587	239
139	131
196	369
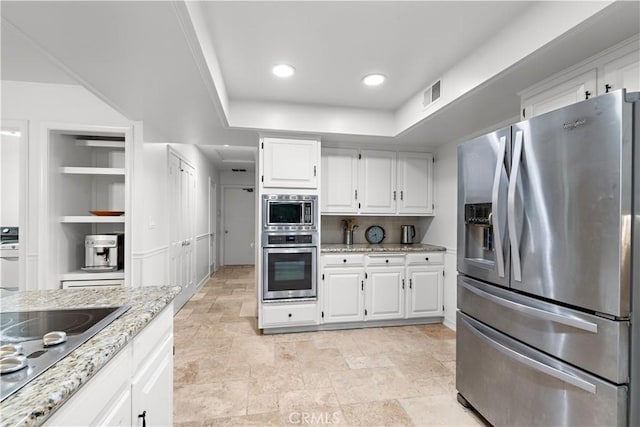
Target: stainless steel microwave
289	212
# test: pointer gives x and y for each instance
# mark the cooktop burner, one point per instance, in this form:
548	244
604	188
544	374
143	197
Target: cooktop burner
30	325
26	330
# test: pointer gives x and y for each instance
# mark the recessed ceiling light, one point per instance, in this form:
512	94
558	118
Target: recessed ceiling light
225	145
373	79
283	70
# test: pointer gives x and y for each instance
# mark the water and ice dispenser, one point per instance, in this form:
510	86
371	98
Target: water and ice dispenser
478	232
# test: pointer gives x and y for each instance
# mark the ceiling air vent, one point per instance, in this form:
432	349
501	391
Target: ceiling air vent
432	94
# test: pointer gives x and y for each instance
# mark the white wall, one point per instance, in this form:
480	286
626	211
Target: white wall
443	228
38	104
238	178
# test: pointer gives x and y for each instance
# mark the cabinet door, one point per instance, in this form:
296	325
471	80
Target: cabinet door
415	183
290	163
621	73
384	293
120	413
339	180
152	388
343	294
567	93
424	298
378	181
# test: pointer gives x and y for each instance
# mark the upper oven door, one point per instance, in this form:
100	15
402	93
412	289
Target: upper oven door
289	273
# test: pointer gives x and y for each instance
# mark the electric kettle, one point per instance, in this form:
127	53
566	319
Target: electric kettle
408	233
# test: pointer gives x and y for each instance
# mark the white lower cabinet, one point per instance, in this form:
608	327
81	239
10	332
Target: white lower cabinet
289	314
152	389
139	378
357	287
424	296
385	293
343	296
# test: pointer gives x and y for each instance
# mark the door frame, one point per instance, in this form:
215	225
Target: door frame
223	223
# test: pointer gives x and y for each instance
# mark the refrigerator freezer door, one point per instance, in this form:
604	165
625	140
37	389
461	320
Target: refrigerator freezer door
483	248
514	385
595	344
571	205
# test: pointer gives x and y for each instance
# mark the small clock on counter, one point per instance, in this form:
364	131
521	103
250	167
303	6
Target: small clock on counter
374	234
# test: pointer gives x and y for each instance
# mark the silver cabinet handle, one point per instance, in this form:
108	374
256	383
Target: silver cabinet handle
534	312
497	241
534	364
511	208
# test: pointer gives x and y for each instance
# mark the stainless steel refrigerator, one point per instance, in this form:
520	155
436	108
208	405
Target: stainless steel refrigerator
548	263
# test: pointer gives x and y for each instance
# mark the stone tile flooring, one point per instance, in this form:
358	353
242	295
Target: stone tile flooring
227	374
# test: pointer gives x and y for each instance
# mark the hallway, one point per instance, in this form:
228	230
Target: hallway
227	373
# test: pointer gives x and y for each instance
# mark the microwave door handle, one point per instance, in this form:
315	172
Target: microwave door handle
496	223
511	208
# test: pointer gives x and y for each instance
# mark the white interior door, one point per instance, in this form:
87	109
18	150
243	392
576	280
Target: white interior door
181	222
187	220
239	225
213	192
175	237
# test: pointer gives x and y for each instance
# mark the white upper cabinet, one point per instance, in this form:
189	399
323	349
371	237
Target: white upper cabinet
569	92
615	68
378	182
290	163
339	187
414	183
623	72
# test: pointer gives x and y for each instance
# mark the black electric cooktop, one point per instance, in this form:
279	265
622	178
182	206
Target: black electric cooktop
24	331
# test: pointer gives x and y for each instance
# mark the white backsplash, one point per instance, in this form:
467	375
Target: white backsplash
332	227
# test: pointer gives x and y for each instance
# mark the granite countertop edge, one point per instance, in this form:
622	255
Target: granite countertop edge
39	399
329	248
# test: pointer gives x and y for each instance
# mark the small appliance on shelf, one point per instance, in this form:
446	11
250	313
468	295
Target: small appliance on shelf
104	252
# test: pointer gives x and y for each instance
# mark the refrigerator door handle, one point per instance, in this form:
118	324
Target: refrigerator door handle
511	208
532	363
497	241
534	312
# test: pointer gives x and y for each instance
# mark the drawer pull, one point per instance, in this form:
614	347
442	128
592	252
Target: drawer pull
427	259
344	260
387	261
534	312
289	314
532	363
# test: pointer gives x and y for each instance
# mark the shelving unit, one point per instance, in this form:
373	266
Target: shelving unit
73	170
90	219
88	170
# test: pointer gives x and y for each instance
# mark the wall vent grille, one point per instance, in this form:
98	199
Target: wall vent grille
432	94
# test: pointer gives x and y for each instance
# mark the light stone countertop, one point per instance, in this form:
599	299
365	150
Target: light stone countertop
36	401
328	248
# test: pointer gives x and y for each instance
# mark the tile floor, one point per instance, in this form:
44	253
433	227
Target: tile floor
227	374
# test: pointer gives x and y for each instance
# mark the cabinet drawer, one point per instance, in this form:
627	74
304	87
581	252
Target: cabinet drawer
289	314
384	259
426	258
152	336
342	260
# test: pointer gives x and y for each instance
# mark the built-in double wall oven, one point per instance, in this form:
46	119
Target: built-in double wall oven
289	247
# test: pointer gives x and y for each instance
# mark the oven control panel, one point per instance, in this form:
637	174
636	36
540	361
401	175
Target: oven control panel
289	239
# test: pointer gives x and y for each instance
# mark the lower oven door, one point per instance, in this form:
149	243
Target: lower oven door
512	384
289	273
